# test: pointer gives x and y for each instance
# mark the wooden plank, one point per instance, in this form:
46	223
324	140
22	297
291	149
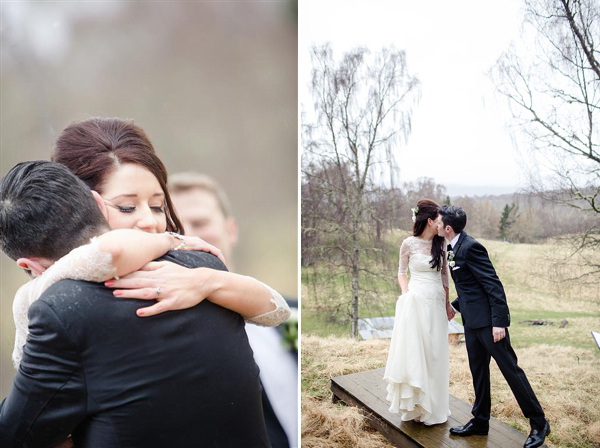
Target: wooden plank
368	391
430	435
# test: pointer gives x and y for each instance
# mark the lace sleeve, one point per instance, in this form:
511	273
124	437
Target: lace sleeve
274	317
23	299
445	281
404	257
85	262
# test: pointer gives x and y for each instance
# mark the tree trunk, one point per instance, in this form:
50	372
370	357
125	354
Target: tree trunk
355	293
355	264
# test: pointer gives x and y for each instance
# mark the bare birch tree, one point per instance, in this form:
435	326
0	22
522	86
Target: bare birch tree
554	92
362	110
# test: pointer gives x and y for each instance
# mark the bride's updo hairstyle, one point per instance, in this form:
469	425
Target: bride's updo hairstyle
92	149
427	209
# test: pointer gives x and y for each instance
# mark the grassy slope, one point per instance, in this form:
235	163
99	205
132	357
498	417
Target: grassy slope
535	289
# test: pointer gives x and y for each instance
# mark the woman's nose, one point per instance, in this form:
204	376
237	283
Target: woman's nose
147	221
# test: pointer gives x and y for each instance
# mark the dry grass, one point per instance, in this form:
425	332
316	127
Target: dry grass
566	381
325	358
325	424
536	277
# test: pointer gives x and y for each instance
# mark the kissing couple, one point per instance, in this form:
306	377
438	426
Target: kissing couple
417	369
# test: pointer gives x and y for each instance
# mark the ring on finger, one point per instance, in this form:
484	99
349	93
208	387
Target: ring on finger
158	290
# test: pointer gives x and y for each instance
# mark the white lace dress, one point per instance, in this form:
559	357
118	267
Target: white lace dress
89	263
417	365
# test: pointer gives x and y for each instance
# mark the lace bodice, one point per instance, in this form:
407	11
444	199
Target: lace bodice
415	247
280	314
85	262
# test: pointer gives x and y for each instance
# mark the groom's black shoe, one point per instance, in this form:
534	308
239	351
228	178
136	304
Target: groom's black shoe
471	429
537	436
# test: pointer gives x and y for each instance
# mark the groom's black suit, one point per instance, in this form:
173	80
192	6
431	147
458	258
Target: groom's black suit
482	304
92	368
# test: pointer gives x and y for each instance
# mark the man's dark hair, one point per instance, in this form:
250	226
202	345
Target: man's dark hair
45	211
454	217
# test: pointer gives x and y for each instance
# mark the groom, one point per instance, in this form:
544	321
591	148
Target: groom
92	368
482	304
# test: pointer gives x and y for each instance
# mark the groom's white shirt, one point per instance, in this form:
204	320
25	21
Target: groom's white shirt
455	240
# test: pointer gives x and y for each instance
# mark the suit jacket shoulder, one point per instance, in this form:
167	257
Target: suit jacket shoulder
194	259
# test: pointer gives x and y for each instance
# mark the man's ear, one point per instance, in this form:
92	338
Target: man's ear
232	231
37	266
100	203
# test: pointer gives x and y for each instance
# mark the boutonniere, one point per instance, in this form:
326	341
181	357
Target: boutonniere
290	331
451	262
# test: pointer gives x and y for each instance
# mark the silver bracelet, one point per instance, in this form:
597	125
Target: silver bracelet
180	238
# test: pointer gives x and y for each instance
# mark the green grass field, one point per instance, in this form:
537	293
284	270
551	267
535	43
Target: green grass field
534	290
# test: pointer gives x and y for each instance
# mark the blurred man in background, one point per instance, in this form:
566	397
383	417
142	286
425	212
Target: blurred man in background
204	210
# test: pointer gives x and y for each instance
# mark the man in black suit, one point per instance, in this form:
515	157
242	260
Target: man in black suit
92	368
482	303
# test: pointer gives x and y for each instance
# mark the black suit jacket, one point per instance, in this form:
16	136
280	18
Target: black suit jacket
92	368
481	298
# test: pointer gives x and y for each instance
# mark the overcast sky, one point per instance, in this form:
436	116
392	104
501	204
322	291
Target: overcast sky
460	122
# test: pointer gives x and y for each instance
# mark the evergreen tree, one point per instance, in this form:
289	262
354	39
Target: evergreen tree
505	220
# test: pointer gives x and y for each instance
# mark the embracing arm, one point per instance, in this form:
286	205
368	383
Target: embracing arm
131	249
256	302
183	287
116	253
48	398
480	265
111	254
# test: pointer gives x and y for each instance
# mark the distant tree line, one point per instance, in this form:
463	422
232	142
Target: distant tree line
516	218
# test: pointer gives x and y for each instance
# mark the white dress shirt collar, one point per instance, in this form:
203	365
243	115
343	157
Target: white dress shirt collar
454	240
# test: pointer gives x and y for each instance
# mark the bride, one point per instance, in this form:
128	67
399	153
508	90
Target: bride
417	365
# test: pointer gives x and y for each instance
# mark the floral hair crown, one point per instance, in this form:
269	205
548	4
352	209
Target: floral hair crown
415	212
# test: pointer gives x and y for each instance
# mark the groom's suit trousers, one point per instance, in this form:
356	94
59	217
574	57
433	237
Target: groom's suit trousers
480	348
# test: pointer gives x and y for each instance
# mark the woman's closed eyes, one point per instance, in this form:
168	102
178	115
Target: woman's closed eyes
132	209
155	209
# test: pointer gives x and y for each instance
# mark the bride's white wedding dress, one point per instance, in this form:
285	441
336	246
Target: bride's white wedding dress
417	365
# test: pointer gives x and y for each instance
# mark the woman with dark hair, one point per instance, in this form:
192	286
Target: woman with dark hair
116	159
417	365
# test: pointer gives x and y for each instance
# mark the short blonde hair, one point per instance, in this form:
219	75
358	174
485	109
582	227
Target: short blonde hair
186	181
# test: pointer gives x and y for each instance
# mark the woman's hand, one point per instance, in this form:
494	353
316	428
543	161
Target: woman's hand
450	311
197	243
180	287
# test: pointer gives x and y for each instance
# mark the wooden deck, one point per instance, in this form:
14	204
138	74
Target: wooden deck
367	390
